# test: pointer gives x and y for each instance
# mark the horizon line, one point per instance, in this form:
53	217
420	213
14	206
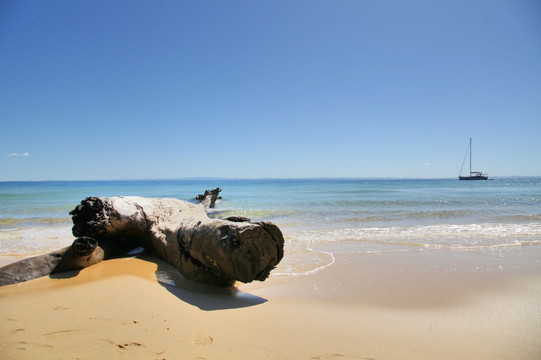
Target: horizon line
271	178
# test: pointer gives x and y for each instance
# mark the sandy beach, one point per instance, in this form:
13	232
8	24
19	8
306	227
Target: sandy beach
425	305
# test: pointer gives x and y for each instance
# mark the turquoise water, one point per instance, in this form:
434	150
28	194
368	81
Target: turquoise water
315	215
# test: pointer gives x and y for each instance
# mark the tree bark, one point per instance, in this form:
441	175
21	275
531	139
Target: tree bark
204	250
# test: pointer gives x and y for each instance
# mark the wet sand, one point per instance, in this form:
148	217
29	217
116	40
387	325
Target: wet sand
423	305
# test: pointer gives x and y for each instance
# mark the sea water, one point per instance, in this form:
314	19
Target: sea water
318	217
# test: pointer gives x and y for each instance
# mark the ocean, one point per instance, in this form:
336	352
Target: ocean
318	217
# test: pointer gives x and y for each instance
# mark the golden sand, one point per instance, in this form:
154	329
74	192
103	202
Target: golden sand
388	306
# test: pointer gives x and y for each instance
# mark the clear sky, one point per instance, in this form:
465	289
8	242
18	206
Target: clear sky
283	88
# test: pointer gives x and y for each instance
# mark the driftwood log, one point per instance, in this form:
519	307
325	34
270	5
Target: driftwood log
204	250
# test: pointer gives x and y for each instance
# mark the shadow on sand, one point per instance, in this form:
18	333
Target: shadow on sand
65	275
205	297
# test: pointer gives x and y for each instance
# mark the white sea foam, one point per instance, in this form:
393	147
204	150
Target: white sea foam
34	240
437	236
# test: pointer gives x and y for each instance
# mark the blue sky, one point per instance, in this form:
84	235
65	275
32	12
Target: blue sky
356	88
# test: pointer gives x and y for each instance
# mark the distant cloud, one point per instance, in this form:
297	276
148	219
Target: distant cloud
427	164
24	154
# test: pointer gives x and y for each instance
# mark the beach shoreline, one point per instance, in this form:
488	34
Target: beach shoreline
422	305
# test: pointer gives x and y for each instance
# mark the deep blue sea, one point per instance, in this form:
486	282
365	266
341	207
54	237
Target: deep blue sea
316	216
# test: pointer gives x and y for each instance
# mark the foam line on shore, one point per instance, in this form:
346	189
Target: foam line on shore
309	272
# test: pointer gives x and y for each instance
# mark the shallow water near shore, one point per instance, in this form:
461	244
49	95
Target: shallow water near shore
498	219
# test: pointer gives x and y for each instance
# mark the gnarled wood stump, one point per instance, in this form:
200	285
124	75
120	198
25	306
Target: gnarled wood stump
209	197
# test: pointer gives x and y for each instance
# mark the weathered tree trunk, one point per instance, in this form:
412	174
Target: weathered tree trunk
82	253
203	249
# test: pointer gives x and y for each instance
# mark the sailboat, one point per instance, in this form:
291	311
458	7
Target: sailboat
474	175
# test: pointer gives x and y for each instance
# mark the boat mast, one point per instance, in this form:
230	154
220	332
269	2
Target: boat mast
470	156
